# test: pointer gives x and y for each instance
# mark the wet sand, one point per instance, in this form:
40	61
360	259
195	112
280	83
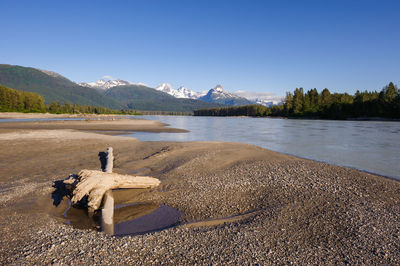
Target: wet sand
278	209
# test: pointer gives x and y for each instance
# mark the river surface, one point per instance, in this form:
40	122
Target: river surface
372	146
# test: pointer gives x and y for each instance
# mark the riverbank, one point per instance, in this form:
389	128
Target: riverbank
18	115
304	211
102	123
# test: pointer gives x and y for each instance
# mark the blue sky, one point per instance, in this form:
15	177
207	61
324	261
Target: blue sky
259	46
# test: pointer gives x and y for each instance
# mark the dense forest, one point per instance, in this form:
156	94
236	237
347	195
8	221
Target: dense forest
325	104
13	100
17	101
166	113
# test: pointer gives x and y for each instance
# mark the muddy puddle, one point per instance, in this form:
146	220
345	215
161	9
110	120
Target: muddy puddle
121	214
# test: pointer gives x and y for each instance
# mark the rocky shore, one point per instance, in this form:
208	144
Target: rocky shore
288	210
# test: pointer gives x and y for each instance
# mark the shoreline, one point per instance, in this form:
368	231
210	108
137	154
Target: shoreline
91	123
377	119
17	115
329	214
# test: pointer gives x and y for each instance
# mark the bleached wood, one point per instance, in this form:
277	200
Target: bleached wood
107	213
110	160
95	184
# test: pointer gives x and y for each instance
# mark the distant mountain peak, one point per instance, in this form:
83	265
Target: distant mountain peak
219	95
219	88
219	92
165	87
181	92
261	98
105	84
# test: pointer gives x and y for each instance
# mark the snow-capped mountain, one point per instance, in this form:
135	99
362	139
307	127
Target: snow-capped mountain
263	98
182	92
187	93
167	88
105	84
215	95
219	95
267	103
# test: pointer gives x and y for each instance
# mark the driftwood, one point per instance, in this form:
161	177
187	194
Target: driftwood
107	213
95	184
110	160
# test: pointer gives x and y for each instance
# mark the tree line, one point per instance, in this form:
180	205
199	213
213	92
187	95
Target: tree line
325	104
166	113
244	110
18	101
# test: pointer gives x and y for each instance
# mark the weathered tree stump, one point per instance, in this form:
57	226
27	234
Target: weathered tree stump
110	160
95	184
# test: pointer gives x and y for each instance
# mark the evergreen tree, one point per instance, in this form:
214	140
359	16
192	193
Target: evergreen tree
288	103
314	100
298	101
325	97
390	92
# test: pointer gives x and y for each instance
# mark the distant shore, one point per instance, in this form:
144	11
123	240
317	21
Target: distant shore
293	210
316	118
20	115
89	122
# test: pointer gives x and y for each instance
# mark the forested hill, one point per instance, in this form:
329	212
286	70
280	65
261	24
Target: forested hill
17	101
57	89
140	97
385	104
53	87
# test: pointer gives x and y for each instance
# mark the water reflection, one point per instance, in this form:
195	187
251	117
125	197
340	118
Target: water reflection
121	215
107	213
135	218
367	145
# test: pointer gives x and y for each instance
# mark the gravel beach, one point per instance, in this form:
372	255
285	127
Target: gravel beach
240	203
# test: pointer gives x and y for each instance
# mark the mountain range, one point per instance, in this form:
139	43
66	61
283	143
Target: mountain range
215	95
140	97
103	84
56	88
219	95
115	93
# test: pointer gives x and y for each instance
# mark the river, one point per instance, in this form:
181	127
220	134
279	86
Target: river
372	146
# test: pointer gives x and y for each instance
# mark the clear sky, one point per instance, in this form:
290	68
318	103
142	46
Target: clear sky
259	46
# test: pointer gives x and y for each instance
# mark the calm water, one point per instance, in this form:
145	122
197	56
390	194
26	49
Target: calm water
367	145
